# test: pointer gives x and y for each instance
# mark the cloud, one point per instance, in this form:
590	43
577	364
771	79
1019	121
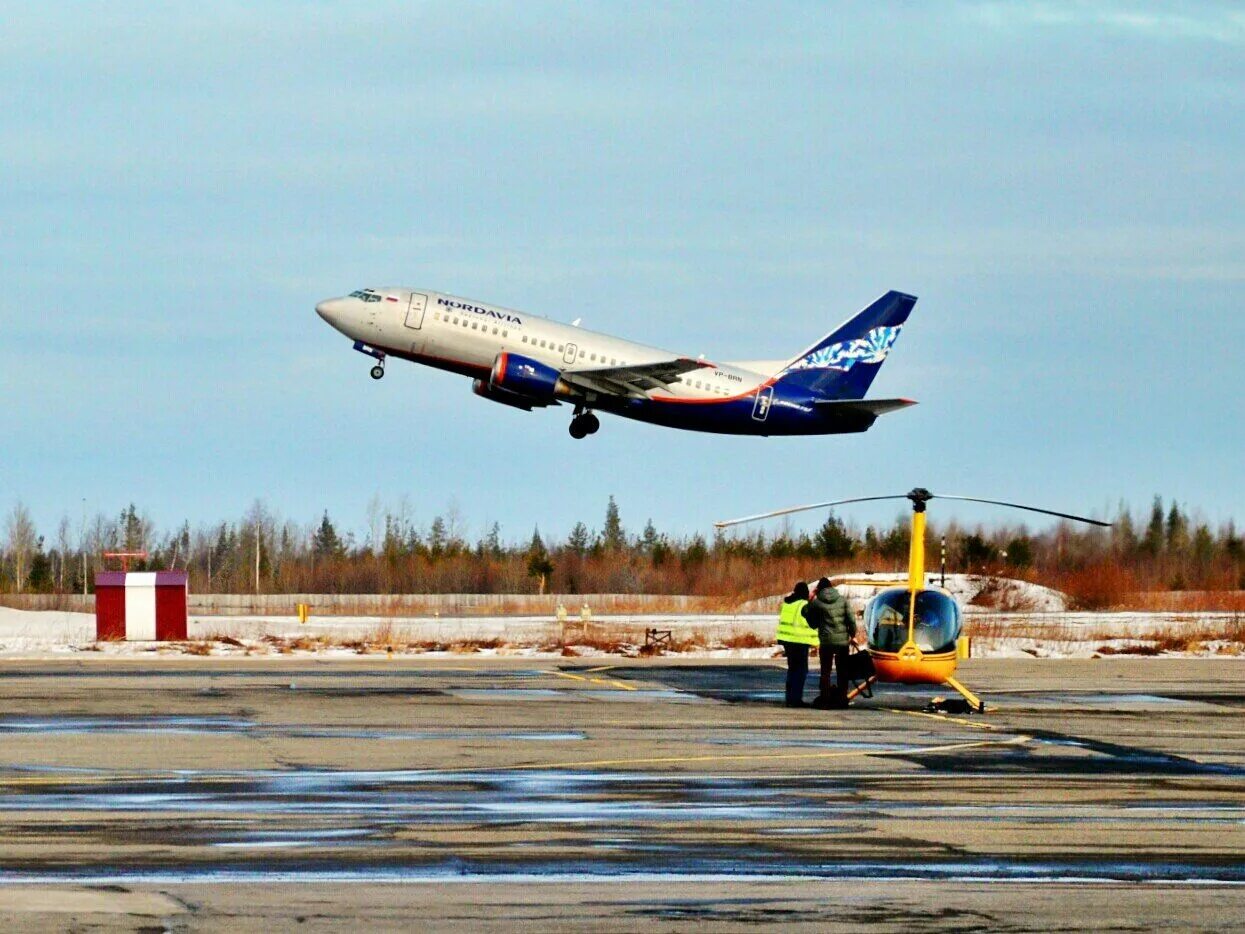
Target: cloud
1167	22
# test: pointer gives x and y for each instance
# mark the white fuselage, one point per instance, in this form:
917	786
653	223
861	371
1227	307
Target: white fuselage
466	337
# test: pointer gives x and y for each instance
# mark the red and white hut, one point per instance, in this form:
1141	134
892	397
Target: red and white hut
142	607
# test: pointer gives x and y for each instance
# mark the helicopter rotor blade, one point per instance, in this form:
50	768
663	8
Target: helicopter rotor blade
794	509
999	502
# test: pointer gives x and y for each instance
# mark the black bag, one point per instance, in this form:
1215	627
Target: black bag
859	666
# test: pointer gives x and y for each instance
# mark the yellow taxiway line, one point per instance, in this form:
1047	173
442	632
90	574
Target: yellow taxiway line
941	716
609	682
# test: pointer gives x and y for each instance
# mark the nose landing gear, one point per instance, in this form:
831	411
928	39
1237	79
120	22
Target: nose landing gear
584	423
377	371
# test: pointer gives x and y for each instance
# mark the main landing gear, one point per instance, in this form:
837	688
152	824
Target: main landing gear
377	371
584	423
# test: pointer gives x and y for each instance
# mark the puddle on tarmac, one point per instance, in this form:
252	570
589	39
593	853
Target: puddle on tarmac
802	741
1121	702
217	725
334	815
414	798
586	694
681	870
135	724
278	839
420	797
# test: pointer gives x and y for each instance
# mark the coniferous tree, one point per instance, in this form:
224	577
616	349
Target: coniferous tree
539	566
438	538
894	544
696	552
612	535
1124	534
1233	545
491	545
1152	542
326	543
977	552
648	538
1176	532
1203	546
1020	552
579	540
40	567
833	540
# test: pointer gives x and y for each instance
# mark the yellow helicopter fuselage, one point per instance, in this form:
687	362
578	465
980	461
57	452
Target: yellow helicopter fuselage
898	640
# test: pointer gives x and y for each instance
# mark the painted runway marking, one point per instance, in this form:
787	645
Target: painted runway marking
941	716
609	682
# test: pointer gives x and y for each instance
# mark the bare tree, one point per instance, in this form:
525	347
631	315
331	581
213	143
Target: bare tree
375	522
257	538
63	547
22	541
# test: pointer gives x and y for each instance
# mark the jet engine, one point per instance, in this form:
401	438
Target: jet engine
531	380
482	389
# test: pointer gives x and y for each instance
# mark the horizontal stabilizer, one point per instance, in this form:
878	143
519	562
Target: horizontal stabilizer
862	406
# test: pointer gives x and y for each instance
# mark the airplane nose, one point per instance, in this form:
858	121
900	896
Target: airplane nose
330	310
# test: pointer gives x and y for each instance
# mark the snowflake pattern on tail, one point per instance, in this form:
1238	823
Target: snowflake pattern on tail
872	348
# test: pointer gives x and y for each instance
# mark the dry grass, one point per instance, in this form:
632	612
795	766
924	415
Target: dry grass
1140	648
1098	587
1188	601
287	646
438	605
745	640
1227	635
224	637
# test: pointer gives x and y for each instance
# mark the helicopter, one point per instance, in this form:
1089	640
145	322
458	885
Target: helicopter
913	632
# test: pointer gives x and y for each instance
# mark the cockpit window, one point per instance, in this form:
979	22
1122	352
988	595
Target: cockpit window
366	294
938	621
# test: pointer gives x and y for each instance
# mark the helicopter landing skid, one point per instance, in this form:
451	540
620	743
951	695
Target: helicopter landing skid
971	703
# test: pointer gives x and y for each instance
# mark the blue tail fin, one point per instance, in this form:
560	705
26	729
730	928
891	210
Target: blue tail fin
843	363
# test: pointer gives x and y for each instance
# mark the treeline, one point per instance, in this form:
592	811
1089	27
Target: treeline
1166	549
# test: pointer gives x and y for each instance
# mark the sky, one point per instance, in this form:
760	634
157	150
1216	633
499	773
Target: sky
1059	183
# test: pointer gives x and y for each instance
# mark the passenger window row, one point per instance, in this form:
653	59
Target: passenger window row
543	343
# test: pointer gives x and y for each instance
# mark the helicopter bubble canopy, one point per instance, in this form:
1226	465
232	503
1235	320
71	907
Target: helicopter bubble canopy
938	621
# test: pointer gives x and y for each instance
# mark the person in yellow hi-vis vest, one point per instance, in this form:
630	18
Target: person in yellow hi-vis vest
795	636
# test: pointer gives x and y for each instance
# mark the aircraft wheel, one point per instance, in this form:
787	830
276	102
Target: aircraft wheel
378	371
578	429
592	424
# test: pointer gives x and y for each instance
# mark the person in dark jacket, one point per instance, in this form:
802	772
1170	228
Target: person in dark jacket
831	615
796	638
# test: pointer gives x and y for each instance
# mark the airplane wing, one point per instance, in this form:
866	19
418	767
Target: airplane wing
862	406
633	380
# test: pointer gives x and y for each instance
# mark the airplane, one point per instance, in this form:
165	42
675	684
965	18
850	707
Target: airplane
528	362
